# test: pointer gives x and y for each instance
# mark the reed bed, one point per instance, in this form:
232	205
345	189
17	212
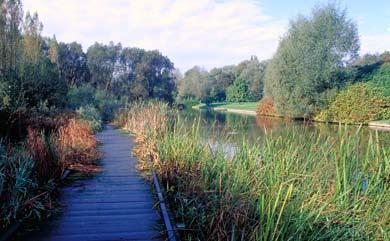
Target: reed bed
30	170
77	146
288	188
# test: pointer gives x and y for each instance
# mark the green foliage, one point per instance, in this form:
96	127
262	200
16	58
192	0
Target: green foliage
131	72
102	100
16	183
239	92
195	84
364	102
305	187
91	115
381	78
107	104
213	86
101	62
72	63
305	72
27	75
81	96
253	72
358	104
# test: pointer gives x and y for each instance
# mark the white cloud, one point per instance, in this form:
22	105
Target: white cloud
203	32
375	43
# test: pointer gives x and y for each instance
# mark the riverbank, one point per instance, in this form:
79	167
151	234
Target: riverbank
247	108
299	187
385	124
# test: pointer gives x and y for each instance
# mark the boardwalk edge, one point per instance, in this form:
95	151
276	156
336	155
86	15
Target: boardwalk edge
164	210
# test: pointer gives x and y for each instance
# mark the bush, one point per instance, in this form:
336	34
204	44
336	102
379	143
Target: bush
44	153
358	104
90	114
266	107
81	96
239	92
21	196
76	145
107	104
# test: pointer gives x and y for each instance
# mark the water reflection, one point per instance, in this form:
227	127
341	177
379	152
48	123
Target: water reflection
230	129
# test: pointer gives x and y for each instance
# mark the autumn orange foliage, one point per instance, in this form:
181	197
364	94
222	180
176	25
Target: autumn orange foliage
76	146
266	107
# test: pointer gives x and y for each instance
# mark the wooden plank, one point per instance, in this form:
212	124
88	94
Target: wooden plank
116	204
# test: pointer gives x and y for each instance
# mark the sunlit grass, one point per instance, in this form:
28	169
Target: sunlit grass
295	187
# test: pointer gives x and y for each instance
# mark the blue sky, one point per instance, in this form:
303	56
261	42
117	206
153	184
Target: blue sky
208	33
372	16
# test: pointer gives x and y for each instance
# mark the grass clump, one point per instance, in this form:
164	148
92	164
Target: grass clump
90	114
290	188
30	169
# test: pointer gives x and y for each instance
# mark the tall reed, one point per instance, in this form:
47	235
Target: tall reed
293	187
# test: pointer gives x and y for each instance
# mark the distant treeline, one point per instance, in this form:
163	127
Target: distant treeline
36	70
236	83
316	73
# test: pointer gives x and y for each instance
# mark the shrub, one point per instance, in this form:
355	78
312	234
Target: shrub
43	152
76	145
90	114
81	96
107	104
358	104
266	107
239	92
20	194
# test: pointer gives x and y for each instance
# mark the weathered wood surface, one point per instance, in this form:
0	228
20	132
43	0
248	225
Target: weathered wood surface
116	204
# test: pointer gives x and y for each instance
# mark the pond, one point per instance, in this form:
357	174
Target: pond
230	129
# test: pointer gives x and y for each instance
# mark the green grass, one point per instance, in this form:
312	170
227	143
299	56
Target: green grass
299	187
236	106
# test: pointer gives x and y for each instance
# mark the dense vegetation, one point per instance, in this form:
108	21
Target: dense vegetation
307	66
240	83
291	188
53	97
316	72
313	75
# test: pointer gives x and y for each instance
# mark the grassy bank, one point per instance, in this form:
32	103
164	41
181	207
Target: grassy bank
295	188
244	107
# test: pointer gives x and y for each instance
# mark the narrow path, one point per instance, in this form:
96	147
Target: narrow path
117	204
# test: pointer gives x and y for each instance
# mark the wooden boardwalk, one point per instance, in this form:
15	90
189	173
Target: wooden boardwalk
116	204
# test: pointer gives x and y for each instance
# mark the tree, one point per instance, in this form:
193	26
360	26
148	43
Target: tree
239	92
221	78
101	63
28	77
154	73
195	84
72	64
253	72
305	70
11	15
141	74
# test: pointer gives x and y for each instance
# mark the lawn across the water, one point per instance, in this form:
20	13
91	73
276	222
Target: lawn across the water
234	105
381	122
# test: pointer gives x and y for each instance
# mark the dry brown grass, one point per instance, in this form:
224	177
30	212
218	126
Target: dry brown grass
145	121
41	149
76	145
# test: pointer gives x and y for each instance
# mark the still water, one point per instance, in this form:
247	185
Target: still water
229	129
